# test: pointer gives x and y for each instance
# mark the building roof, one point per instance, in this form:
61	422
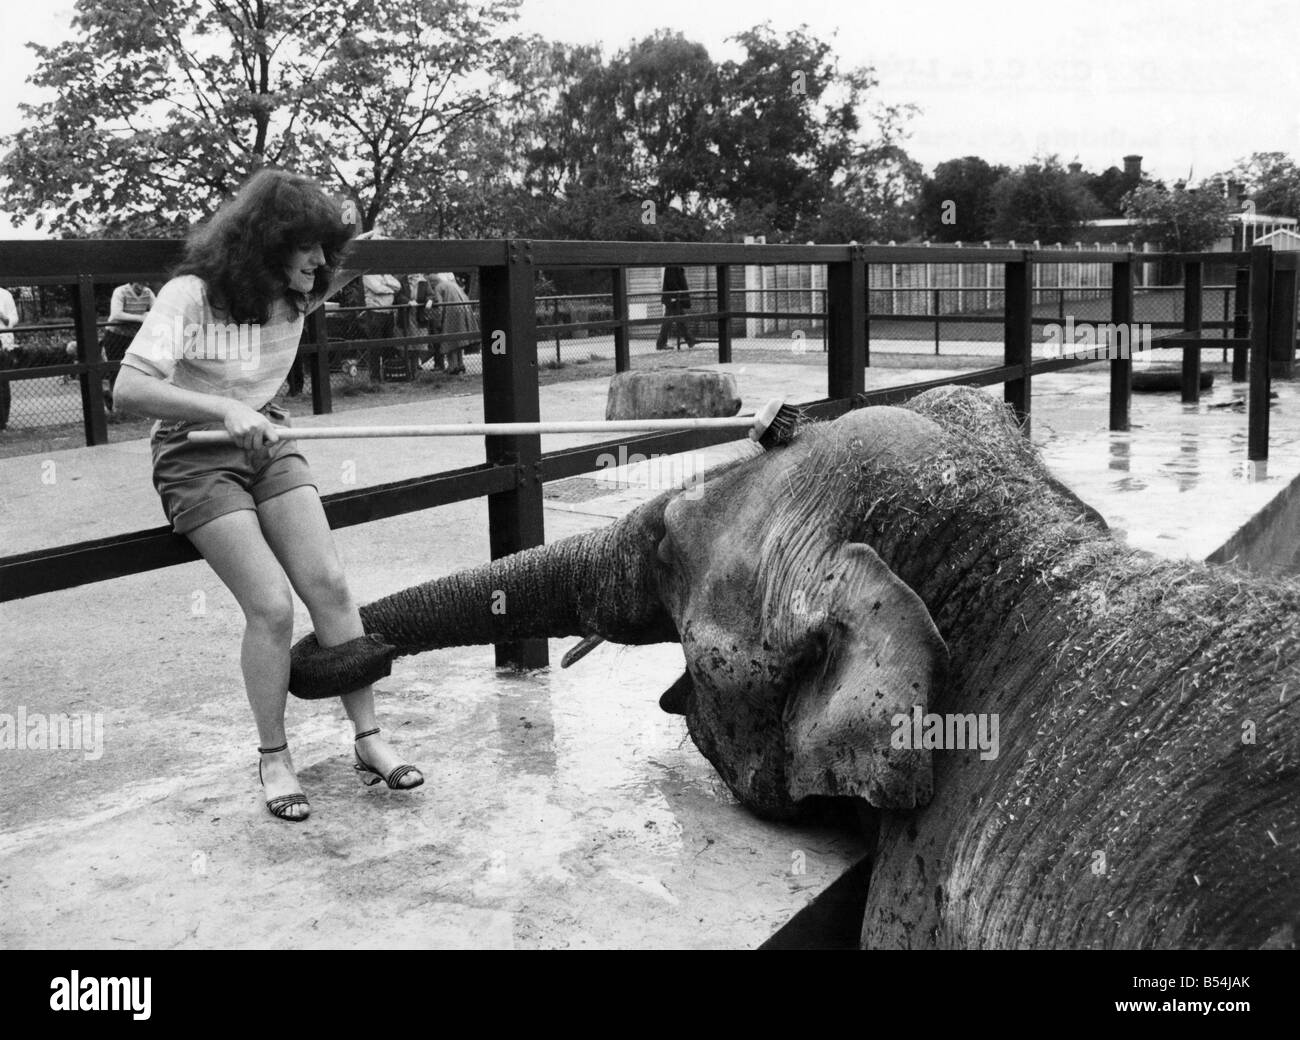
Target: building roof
1282	238
1239	218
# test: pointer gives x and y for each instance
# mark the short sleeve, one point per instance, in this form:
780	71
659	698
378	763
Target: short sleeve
160	342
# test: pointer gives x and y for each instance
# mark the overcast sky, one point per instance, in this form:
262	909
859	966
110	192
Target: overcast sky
1187	85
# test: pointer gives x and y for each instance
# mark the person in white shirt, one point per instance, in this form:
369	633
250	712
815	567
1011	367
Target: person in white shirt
130	304
127	310
380	290
8	319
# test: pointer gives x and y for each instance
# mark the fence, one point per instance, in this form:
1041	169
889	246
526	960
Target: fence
1262	335
910	305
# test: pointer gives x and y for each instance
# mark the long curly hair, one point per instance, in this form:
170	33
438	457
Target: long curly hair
242	250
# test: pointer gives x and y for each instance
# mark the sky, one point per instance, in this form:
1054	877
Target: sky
1192	86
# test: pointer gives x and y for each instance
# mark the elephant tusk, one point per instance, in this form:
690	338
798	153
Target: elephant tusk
581	650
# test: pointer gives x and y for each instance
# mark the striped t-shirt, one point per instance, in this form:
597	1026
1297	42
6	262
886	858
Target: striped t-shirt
185	342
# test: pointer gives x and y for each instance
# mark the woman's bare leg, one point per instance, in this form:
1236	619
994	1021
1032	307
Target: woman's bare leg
234	547
295	527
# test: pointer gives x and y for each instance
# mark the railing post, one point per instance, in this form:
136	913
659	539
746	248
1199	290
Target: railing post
866	322
846	326
1282	322
509	352
1121	368
1227	312
1192	320
94	420
1018	336
622	334
322	393
1261	271
936	322
723	277
1240	322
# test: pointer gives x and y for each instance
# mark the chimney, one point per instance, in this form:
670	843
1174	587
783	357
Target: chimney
1234	194
1133	167
1075	168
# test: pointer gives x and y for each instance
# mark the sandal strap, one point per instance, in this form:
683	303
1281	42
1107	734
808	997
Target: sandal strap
397	774
273	750
367	733
283	802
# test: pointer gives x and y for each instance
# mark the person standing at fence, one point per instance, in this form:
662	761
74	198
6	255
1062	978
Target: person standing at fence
130	303
451	312
677	301
380	290
258	266
8	349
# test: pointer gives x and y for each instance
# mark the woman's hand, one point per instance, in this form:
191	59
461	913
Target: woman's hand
250	429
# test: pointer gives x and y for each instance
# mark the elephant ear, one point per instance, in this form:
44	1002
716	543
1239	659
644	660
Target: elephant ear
883	658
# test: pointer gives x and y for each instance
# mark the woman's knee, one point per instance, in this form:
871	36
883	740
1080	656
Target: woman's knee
327	588
271	610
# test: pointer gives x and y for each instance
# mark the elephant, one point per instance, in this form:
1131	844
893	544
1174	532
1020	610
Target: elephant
903	563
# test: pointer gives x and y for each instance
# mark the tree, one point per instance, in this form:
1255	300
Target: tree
955	204
1040	202
1272	181
1109	188
772	144
1180	220
161	109
789	134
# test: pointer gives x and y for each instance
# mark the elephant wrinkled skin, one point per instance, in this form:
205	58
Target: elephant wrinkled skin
922	557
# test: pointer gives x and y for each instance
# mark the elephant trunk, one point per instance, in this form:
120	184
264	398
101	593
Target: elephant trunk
600	583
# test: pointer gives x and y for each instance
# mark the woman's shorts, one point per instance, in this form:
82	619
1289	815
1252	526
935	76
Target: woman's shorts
200	482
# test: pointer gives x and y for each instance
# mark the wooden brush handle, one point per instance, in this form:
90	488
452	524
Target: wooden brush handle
736	422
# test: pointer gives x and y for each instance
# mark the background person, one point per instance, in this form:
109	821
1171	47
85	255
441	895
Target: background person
8	346
677	301
130	304
450	311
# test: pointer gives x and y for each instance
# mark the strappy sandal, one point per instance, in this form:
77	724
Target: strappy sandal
370	776
279	806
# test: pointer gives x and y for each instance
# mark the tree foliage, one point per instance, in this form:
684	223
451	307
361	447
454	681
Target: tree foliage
162	108
1181	220
1272	181
955	204
430	114
1041	202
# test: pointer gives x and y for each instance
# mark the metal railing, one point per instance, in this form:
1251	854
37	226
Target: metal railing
515	468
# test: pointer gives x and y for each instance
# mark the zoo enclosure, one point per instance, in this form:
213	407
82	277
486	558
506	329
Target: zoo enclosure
515	469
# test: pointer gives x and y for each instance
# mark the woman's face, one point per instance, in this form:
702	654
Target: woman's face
301	268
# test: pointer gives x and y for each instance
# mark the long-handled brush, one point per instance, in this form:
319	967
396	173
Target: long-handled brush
772	426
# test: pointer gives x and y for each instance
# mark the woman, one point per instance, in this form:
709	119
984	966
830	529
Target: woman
212	353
